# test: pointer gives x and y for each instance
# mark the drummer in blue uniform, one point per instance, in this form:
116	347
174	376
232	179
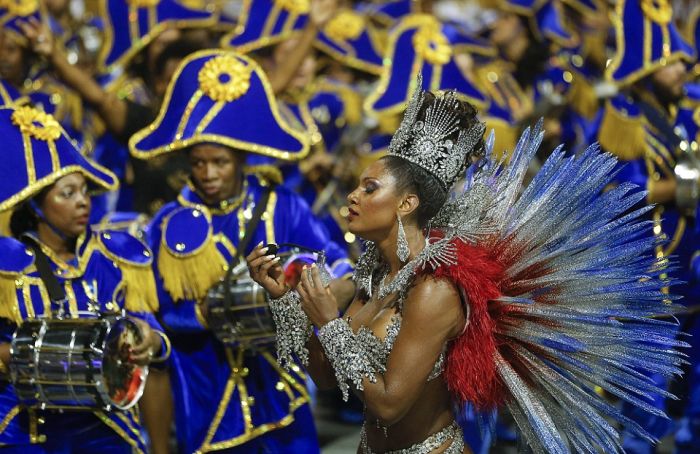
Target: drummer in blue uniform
46	183
219	108
642	128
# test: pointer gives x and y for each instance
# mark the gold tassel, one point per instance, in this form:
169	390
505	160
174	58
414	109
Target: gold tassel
388	124
190	276
353	106
141	294
506	136
5	222
583	98
621	135
9	305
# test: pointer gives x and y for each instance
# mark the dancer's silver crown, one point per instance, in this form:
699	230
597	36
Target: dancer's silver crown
425	142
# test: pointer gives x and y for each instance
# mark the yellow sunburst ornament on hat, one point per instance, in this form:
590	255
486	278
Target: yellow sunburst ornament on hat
224	78
36	123
20	7
345	25
298	7
659	11
432	45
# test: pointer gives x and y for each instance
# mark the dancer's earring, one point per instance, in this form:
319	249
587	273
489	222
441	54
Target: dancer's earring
402	250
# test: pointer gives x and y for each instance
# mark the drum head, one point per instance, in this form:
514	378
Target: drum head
124	380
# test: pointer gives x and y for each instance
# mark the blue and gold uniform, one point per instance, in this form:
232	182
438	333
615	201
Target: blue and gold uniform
111	272
650	138
227	397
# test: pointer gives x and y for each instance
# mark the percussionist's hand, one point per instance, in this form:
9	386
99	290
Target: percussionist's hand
318	301
267	271
150	345
39	36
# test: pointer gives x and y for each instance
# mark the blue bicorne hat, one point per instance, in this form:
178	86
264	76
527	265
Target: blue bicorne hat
390	12
131	25
221	97
421	43
350	38
545	17
646	40
587	7
36	153
267	22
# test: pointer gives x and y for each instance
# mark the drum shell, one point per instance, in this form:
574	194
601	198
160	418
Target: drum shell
60	363
244	319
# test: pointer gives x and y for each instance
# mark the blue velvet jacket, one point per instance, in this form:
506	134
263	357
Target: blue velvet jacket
111	272
225	396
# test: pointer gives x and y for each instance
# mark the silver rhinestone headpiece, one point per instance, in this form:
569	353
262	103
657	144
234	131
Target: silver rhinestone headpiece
425	142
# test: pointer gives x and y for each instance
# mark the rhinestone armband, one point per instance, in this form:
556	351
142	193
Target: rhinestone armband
293	328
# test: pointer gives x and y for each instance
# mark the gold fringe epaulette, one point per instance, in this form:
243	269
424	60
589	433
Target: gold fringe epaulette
622	134
582	97
141	294
5	222
16	261
9	283
135	261
188	260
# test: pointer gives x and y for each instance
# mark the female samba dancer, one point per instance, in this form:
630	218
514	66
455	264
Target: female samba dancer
500	295
99	272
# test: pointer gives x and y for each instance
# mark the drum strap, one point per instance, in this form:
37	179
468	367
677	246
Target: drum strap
250	228
57	293
247	238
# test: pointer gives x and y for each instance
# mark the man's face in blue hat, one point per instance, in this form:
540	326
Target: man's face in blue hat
668	82
217	171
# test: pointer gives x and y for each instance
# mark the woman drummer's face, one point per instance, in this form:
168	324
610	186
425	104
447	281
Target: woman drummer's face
374	203
67	205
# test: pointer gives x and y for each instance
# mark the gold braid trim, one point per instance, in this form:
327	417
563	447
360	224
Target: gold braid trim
190	276
622	135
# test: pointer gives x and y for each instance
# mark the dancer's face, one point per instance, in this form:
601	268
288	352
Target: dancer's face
67	205
374	203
